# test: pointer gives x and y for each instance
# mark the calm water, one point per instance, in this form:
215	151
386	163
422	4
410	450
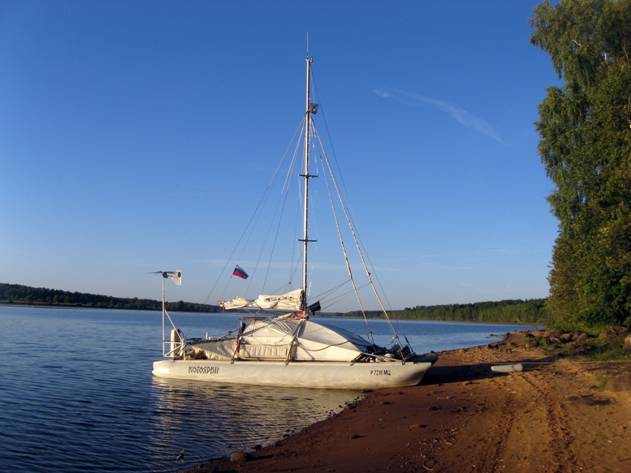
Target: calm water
77	394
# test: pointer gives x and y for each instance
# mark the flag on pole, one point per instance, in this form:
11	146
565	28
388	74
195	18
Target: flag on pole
315	307
239	272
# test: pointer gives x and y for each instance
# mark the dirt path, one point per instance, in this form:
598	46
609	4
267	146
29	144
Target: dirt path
561	417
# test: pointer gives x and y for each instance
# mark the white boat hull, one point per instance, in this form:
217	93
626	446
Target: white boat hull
328	375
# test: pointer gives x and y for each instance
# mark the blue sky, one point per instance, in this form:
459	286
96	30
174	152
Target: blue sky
139	135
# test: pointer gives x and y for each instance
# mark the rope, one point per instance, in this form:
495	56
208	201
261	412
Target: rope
334	288
347	261
322	111
292	268
262	199
280	219
358	245
329	140
278	213
342	296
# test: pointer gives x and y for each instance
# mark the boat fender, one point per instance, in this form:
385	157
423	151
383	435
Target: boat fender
507	368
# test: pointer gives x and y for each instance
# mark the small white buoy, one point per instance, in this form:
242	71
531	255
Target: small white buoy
507	368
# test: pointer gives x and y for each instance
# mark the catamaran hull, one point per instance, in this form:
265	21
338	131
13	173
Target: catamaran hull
326	375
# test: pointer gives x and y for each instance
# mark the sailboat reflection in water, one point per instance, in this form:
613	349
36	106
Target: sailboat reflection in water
209	419
291	349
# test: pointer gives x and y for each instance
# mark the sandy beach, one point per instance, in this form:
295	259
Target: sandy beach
562	416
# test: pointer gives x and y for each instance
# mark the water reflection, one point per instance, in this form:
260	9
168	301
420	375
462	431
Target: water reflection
77	393
208	419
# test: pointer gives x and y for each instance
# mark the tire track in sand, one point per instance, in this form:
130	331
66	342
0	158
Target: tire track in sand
560	438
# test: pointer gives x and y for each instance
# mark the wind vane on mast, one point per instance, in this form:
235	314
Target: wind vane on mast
175	276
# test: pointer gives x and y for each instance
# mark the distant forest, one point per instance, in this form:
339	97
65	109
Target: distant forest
26	295
521	311
517	311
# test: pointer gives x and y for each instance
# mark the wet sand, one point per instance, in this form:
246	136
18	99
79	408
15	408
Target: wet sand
565	416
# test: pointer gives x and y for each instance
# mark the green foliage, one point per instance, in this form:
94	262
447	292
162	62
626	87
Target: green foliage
515	311
585	146
609	351
19	294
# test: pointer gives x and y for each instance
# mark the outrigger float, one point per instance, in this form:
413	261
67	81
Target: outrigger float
291	349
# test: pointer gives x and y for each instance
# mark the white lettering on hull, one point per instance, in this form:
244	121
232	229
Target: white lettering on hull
203	370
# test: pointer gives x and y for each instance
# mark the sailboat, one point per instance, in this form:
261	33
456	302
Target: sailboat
291	349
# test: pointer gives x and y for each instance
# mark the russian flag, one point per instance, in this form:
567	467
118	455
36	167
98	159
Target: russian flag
239	272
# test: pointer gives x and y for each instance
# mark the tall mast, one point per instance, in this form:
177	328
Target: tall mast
309	110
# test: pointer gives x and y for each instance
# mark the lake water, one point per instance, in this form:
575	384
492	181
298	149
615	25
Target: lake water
77	393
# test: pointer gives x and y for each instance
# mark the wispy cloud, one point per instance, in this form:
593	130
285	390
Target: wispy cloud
462	116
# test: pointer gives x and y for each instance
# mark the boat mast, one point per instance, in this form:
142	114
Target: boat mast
309	110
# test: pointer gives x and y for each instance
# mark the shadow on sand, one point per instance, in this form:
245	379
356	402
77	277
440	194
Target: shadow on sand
459	373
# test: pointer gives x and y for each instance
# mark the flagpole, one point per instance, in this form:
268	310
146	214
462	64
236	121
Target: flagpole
162	281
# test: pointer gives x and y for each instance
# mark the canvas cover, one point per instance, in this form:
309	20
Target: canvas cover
288	301
274	339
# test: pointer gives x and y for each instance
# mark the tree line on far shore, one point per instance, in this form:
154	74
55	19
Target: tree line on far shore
27	295
528	311
514	311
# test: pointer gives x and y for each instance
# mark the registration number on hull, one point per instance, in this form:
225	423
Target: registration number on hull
203	370
382	372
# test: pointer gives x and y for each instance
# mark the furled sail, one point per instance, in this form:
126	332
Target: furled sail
289	301
236	303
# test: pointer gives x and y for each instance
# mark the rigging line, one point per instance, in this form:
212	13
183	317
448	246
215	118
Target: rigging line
332	289
224	291
353	231
296	139
378	280
383	292
281	288
345	189
263	245
344	194
314	218
343	181
292	270
257	208
329	136
342	296
287	181
345	254
371	265
280	218
278	212
284	195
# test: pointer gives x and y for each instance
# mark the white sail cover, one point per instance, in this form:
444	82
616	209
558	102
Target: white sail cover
288	301
284	338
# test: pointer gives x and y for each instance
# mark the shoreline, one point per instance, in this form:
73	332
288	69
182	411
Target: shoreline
452	321
331	317
561	415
